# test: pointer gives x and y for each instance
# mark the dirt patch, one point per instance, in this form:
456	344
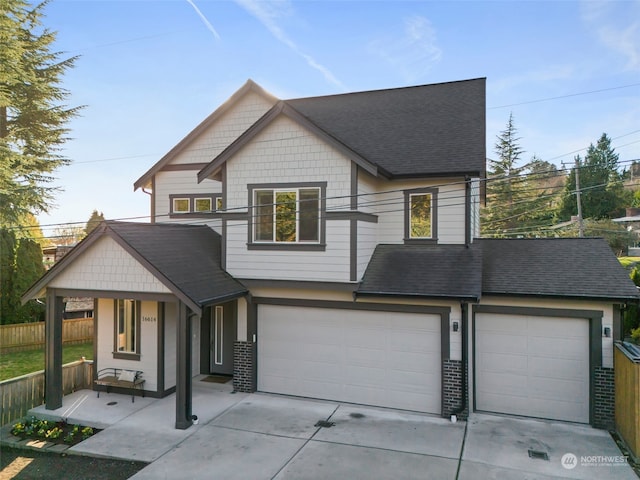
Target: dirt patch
21	464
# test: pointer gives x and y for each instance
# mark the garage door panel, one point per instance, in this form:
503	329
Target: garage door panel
501	362
487	341
376	358
552	368
557	347
540	370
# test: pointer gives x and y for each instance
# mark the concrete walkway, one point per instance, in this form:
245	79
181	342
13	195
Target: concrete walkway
260	436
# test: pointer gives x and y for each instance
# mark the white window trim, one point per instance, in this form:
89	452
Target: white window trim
195	204
274	192
175	210
420	194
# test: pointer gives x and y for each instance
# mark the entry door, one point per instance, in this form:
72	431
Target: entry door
222	337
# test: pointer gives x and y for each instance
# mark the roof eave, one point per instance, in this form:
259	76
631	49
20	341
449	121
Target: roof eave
249	86
371	293
616	298
284	108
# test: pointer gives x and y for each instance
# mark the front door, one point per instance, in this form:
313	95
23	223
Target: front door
222	338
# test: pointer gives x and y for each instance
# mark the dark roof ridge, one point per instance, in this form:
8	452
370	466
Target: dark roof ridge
376	90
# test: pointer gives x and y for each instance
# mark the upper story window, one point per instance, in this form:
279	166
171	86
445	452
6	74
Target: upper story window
127	329
194	204
181	205
287	215
420	214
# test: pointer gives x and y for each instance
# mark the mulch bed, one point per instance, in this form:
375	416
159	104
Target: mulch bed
20	464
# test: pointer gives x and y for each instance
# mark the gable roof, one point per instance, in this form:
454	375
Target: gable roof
249	86
185	258
554	267
430	271
428	130
549	267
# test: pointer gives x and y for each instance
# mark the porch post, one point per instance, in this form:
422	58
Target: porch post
183	368
53	351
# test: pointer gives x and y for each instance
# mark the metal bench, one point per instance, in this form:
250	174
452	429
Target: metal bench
120	378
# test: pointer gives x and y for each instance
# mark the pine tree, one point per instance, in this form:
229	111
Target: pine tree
33	116
603	194
505	187
95	220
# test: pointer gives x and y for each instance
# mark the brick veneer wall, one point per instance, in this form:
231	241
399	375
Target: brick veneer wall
452	390
243	365
604	401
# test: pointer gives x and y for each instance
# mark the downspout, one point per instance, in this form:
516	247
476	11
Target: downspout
464	306
467	211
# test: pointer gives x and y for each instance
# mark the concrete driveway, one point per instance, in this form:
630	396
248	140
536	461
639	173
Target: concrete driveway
260	436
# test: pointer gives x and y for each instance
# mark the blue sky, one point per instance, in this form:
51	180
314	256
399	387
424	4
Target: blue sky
150	71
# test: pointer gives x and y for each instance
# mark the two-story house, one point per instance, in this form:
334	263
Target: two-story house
328	247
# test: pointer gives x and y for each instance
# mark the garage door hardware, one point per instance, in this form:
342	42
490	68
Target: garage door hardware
537	454
324	424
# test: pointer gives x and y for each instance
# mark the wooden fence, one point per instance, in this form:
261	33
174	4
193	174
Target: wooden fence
20	394
627	385
30	336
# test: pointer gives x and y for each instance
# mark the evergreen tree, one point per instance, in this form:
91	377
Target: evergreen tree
33	116
20	266
602	190
95	220
29	268
505	186
7	275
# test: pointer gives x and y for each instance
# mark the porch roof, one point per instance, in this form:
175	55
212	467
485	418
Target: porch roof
184	258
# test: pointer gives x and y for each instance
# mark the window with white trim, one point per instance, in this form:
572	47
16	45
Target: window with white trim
127	328
420	218
181	205
421	215
202	204
286	215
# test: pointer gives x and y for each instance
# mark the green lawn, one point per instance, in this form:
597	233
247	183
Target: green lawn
20	363
628	262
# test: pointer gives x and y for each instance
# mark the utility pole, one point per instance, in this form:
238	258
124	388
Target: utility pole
580	222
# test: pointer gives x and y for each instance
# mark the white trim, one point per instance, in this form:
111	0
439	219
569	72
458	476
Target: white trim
218	325
274	192
195	204
175	210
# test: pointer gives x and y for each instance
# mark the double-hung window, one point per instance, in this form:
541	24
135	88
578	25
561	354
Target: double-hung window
286	215
421	215
127	328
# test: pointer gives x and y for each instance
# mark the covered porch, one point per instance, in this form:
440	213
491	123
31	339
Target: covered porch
154	288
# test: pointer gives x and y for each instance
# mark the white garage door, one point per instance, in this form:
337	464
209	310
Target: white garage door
532	366
367	357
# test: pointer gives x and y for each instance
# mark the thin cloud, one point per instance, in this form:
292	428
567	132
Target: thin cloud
206	22
267	13
414	52
616	27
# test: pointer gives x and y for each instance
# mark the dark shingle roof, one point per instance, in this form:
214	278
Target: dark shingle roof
436	129
564	267
452	271
549	267
188	256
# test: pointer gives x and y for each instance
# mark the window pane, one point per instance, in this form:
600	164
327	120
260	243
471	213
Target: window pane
264	216
218	203
180	205
203	204
420	215
309	215
126	324
286	216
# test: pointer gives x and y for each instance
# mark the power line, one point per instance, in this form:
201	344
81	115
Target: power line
559	97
